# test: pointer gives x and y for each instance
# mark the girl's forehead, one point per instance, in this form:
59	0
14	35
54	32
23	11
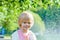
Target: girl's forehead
28	20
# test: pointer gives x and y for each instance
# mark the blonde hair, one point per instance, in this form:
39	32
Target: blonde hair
26	16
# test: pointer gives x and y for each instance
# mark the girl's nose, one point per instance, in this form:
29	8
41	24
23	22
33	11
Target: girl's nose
27	24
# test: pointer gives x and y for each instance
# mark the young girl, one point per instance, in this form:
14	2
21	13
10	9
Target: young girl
25	22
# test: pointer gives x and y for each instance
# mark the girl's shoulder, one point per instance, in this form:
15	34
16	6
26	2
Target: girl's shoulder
15	35
30	32
32	35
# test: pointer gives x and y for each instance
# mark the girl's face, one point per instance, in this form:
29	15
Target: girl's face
25	25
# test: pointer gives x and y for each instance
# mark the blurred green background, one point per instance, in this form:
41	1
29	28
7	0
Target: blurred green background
46	16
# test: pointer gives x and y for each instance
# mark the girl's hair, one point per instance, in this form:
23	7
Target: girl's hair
26	15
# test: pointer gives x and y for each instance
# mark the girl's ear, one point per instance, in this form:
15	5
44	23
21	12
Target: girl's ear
20	25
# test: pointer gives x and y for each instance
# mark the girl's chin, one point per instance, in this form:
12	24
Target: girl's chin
25	29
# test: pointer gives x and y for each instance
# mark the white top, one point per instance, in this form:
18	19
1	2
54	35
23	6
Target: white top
16	37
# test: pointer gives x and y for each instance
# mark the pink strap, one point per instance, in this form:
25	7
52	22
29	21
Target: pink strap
21	36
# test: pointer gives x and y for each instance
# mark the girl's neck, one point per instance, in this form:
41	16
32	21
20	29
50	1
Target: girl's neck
24	31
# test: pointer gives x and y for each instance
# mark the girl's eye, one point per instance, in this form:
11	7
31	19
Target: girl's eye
28	22
24	22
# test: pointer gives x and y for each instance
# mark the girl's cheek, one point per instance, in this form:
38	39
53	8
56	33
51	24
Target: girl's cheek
22	24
